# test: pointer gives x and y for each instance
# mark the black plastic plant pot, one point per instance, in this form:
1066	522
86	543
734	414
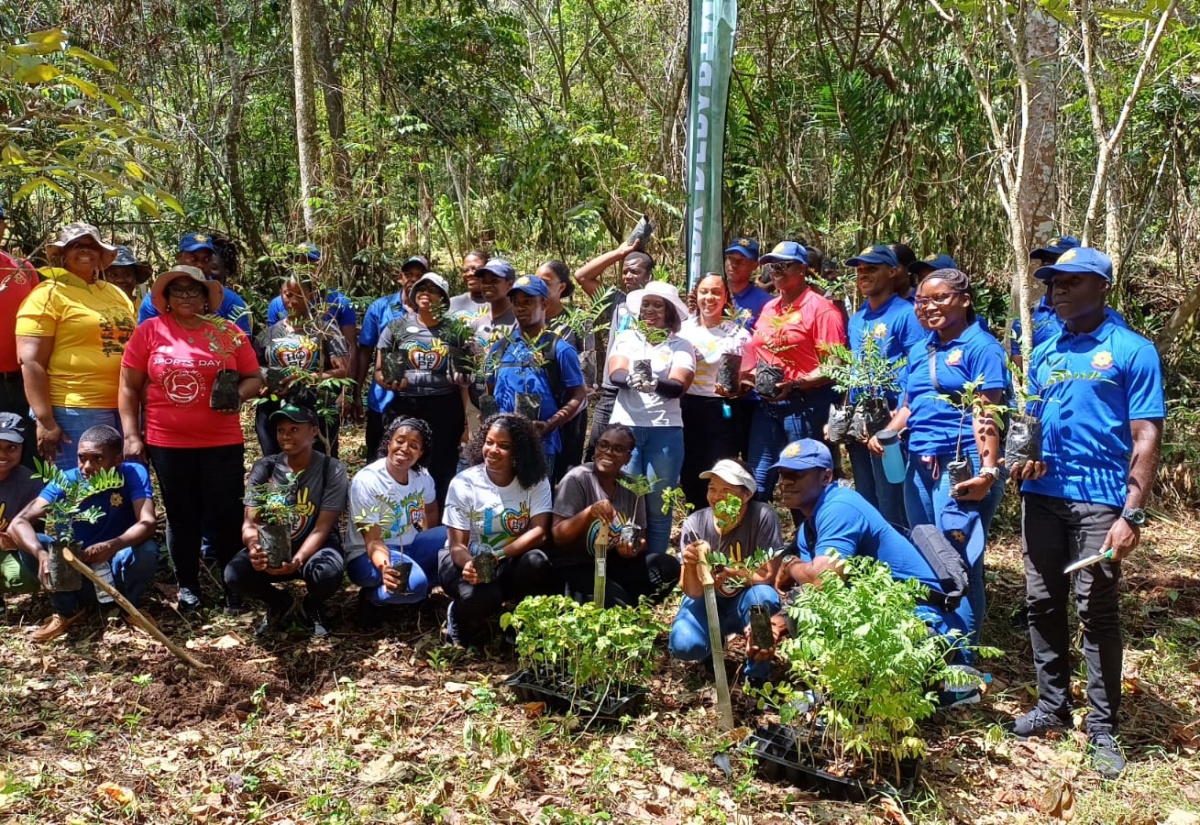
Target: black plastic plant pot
630	534
276	541
1024	440
839	424
487	405
641	368
393	366
63	577
766	379
960	470
760	627
529	405
403	570
276	377
783	755
485	567
870	416
729	372
224	395
621	700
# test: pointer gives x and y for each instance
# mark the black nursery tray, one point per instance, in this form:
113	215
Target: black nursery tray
779	759
623	700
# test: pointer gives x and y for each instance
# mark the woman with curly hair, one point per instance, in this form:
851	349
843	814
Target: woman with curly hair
396	527
498	520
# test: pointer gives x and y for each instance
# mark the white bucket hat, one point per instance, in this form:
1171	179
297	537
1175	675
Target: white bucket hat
660	289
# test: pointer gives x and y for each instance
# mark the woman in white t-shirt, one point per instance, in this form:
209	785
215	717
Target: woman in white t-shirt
498	508
653	367
712	416
395	530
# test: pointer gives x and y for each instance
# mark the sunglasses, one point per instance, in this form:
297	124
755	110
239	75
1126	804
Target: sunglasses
782	266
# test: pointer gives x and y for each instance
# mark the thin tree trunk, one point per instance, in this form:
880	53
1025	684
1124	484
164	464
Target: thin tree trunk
306	108
328	51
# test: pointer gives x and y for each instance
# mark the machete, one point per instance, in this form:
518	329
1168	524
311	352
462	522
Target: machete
716	639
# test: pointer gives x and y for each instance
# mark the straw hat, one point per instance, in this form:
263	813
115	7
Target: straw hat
158	292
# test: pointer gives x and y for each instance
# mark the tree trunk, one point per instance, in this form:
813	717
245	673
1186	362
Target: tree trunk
328	52
306	108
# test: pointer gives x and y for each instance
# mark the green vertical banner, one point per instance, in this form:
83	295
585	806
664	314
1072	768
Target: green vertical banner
712	27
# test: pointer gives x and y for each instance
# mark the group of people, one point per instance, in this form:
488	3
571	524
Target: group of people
484	478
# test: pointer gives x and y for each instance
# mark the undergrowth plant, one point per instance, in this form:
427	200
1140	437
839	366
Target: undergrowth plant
62	514
866	374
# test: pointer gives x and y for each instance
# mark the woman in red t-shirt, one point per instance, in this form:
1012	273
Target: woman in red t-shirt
193	370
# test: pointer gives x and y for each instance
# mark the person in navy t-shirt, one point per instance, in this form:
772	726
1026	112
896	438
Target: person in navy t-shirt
1102	411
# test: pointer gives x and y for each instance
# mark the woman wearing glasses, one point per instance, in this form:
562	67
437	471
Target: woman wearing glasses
598	497
957	355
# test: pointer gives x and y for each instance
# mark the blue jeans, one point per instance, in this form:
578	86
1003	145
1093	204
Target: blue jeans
872	484
133	570
775	424
925	497
689	632
74	423
658	455
422	552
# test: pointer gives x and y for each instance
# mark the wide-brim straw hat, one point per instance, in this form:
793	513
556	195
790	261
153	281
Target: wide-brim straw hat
73	232
659	289
158	292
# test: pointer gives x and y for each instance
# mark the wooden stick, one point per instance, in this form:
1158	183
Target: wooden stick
135	615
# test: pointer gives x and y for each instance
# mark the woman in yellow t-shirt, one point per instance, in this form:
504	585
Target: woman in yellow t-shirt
71	333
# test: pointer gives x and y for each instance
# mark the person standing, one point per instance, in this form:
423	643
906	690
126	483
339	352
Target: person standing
197	249
1102	412
127	272
741	259
495	279
17	280
557	277
470	305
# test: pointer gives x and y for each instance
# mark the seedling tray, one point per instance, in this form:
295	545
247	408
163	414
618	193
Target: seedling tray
780	759
622	700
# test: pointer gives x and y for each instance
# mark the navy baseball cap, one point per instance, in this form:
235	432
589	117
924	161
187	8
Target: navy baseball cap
931	264
530	285
785	252
1051	251
1081	259
804	454
419	260
498	267
194	241
746	247
878	254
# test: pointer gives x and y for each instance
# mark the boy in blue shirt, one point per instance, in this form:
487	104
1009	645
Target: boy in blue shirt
1102	411
122	538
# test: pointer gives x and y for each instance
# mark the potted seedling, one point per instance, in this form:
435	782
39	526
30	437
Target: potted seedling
529	405
869	377
767	376
393	363
970	401
653	336
729	372
387	515
641	487
63	514
222	343
1023	441
274	506
484	557
584	322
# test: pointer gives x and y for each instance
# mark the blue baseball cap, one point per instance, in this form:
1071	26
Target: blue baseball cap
746	247
530	285
932	264
498	267
1081	259
785	252
194	241
1051	251
309	251
804	454
878	254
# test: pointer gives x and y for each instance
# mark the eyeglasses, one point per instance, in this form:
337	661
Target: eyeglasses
941	299
613	449
194	292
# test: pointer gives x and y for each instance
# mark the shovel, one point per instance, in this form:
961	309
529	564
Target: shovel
717	641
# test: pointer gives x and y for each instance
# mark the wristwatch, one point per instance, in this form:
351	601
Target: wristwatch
1135	516
990	472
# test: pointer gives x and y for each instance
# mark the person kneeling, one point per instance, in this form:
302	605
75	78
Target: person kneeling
308	489
737	532
119	545
397	532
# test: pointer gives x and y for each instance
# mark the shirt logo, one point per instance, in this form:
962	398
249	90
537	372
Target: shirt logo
954	358
116	500
880	330
182	386
1101	360
614	533
516	521
1069	255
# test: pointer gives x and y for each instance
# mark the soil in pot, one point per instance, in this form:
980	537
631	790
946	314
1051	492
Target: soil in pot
641	368
394	365
529	405
766	379
276	377
403	570
276	541
558	695
487	406
729	372
839	424
960	470
485	567
870	416
760	627
63	577
631	534
1024	440
224	395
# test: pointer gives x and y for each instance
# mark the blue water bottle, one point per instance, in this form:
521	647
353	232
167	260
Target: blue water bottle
893	457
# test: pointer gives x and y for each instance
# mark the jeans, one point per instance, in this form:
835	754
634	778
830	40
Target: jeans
1056	532
712	430
74	423
447	418
322	575
689	640
475	605
573	435
202	490
422	552
132	570
658	455
777	424
871	482
600	418
651	576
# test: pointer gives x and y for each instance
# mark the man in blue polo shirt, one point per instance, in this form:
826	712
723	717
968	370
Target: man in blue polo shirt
196	249
741	259
1102	412
119	545
336	305
890	323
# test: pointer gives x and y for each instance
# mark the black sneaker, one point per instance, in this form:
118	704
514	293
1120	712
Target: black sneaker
1036	722
189	601
234	605
317	620
275	618
1107	759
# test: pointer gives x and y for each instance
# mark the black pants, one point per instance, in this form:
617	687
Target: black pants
328	425
322	575
712	430
13	400
1056	532
373	435
447	418
652	575
476	605
600	419
573	436
202	490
